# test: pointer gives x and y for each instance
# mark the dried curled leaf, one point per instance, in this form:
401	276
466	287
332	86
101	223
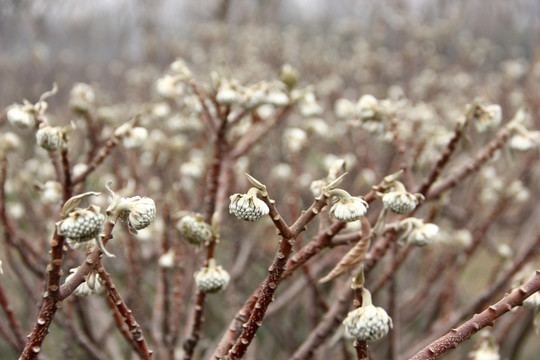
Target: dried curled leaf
354	256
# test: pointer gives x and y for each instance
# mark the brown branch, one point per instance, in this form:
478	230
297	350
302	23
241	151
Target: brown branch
213	177
53	300
14	324
479	321
276	270
250	139
443	160
134	328
485	154
97	160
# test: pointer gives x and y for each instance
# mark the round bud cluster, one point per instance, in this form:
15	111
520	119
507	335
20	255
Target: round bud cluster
21	116
49	138
211	279
194	229
349	209
135	138
142	211
423	235
82	97
368	322
400	202
248	207
487	117
92	285
82	224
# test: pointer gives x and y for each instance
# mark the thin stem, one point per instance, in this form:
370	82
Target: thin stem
479	321
134	328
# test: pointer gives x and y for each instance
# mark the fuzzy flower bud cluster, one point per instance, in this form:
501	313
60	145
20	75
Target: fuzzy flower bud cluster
9	141
142	212
347	208
398	200
135	138
82	225
487	117
368	322
82	98
415	232
21	116
139	212
93	284
49	137
194	229
212	278
248	206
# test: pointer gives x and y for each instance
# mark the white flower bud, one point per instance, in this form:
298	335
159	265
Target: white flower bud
400	202
194	229
142	211
135	138
82	225
167	260
226	94
349	209
488	117
82	97
277	97
49	138
344	109
181	69
254	96
21	116
309	107
423	235
367	107
248	207
368	322
212	278
288	75
93	284
525	141
9	141
52	192
294	140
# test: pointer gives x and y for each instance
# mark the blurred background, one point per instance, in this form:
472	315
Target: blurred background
366	43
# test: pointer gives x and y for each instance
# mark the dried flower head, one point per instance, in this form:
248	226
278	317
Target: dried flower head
248	206
368	322
212	278
82	225
194	229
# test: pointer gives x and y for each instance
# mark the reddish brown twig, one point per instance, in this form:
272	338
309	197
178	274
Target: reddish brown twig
487	152
288	234
443	160
479	321
134	328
